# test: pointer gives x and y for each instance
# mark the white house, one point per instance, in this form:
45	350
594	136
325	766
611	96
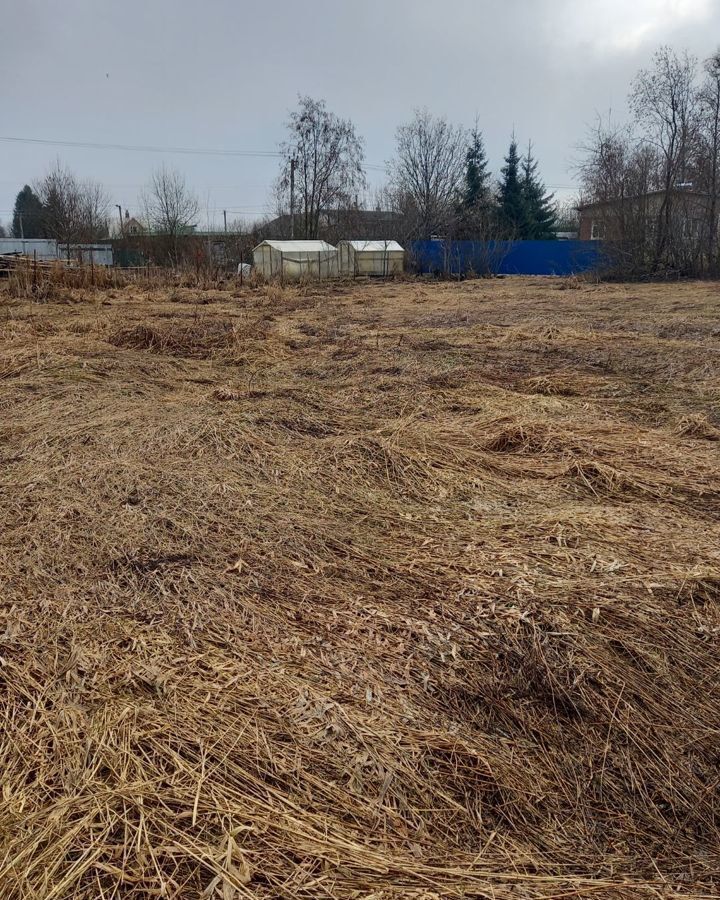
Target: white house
47	249
37	248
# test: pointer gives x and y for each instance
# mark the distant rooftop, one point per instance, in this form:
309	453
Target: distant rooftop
685	192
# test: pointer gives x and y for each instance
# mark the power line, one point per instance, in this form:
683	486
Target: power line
191	151
150	148
143	148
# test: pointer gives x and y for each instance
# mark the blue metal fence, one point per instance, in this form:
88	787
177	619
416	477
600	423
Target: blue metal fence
505	257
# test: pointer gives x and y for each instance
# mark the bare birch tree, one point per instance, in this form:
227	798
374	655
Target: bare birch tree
709	102
327	156
619	171
73	211
656	184
427	172
663	100
170	207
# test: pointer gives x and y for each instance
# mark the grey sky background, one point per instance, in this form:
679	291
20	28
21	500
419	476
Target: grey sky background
224	73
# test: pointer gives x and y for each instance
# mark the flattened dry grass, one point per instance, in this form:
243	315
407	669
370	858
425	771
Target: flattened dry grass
361	592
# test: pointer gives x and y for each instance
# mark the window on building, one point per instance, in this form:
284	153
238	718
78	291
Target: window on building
597	231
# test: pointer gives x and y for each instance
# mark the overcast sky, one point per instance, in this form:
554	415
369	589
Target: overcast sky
222	74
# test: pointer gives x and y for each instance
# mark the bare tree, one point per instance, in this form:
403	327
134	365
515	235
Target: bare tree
327	156
654	187
94	207
566	216
74	211
663	100
709	102
427	173
170	207
618	172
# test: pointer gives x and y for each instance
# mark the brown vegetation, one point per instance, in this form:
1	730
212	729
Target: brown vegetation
406	590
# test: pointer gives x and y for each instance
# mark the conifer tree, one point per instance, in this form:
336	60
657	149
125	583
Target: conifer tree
27	218
475	207
476	172
539	206
511	198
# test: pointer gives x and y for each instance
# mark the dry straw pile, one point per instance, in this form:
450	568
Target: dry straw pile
365	592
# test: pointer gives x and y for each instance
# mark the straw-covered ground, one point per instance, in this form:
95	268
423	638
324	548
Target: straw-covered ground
361	591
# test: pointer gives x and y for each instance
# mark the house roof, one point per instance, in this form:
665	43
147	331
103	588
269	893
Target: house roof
374	246
359	216
685	192
298	246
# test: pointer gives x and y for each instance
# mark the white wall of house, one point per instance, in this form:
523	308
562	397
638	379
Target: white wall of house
46	249
38	247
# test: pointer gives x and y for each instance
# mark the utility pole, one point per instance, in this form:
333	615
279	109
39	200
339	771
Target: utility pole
122	227
22	232
293	163
225	219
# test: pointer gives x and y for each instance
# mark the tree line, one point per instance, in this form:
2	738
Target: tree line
655	179
439	180
65	208
438	184
62	207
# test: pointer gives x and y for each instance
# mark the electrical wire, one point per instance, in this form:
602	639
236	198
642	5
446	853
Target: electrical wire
151	148
142	148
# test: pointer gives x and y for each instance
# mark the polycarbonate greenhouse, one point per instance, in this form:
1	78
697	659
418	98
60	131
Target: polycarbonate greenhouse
292	260
371	258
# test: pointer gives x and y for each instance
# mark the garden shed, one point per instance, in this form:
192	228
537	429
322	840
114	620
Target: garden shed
371	258
292	260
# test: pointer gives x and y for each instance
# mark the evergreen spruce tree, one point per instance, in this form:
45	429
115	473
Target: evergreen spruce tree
476	173
476	203
511	199
27	218
540	209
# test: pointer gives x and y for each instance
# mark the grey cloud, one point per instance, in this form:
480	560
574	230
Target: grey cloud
225	73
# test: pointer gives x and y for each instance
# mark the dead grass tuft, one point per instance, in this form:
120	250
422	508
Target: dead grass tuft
226	394
698	426
519	438
197	338
601	479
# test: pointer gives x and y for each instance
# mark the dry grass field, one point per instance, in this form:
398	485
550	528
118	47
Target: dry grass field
405	590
